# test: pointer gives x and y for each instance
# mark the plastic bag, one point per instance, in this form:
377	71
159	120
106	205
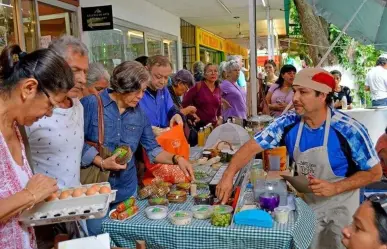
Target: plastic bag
172	141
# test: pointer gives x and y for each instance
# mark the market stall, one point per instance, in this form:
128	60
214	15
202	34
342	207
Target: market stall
188	216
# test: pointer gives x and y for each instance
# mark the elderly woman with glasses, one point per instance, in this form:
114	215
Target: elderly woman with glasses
369	226
30	88
232	93
126	124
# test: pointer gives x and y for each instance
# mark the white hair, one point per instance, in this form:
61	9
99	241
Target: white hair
231	65
61	46
237	58
96	72
222	69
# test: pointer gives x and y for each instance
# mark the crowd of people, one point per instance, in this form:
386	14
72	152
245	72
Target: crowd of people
50	100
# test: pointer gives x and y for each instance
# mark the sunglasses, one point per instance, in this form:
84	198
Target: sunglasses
380	199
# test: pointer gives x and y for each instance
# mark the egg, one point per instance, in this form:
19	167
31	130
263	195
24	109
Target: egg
78	192
52	197
91	191
96	187
104	190
65	194
84	190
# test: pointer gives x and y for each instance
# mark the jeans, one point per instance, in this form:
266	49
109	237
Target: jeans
379	102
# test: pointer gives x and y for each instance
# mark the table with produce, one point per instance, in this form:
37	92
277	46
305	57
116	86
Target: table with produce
260	214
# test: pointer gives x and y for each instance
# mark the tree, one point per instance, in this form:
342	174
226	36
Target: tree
315	31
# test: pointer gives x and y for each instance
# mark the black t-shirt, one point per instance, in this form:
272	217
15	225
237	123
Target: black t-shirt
345	91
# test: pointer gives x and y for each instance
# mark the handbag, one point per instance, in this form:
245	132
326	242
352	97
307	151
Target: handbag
93	173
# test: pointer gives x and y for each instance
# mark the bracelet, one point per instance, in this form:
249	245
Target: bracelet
175	159
102	165
33	195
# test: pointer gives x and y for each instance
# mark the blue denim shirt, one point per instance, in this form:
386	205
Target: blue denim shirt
159	110
130	128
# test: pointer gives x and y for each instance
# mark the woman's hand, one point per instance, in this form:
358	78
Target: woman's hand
41	186
186	167
188	110
176	119
110	164
225	104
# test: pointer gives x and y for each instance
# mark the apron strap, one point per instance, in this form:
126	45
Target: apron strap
299	133
327	127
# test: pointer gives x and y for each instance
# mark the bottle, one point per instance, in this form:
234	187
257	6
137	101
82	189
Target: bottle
207	132
344	104
201	137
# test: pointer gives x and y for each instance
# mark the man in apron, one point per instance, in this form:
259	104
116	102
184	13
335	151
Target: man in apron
333	150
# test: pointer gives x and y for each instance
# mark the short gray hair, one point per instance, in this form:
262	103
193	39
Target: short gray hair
237	58
129	76
96	72
231	65
61	46
222	68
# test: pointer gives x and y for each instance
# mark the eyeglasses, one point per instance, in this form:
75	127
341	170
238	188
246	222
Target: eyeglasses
54	104
380	199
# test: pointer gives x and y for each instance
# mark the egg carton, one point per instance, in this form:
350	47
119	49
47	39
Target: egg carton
112	195
44	213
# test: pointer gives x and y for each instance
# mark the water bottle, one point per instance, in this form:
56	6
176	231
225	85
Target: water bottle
344	104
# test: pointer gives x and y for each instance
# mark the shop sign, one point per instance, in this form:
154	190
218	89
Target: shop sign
210	40
97	18
232	48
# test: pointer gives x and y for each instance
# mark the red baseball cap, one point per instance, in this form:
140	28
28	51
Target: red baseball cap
315	78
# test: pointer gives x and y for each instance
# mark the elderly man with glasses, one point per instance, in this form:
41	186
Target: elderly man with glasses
56	142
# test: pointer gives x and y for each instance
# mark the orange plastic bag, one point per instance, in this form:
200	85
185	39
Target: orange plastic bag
172	141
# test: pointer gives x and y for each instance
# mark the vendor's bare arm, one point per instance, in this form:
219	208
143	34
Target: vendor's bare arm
242	157
359	179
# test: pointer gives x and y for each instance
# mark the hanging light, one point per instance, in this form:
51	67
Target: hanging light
264	3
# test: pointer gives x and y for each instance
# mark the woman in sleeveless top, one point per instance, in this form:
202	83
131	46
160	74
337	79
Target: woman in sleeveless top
29	89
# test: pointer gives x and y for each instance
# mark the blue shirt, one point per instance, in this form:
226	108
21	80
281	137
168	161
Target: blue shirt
241	80
159	110
362	149
129	128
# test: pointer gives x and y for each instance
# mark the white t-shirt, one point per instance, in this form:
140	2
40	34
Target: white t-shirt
56	144
377	81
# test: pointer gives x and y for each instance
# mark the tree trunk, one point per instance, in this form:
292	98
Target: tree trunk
315	31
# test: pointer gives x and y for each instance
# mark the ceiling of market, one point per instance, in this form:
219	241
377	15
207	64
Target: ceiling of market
223	17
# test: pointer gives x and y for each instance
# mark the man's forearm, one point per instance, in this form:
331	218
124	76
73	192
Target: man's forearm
242	157
359	179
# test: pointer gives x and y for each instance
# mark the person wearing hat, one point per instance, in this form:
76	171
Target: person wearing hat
333	150
376	82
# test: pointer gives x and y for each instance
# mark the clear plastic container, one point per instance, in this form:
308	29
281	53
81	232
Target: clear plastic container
202	212
221	215
204	199
158	201
177	196
281	214
156	212
180	218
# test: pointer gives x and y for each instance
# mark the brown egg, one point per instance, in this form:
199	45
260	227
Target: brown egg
91	191
96	187
84	190
105	190
78	192
65	194
52	197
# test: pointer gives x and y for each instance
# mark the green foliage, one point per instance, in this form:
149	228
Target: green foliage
359	61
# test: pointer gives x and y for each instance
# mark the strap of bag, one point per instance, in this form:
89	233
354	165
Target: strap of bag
101	126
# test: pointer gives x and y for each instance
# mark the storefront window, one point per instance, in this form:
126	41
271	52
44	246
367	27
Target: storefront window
107	47
154	46
170	50
8	27
136	45
29	25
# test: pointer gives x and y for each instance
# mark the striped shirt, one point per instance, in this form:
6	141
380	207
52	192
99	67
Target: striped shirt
362	151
